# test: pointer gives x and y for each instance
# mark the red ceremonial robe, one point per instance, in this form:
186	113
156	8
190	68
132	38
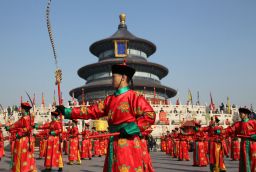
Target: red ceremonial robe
86	145
235	149
23	156
1	144
53	155
125	107
216	150
74	154
199	154
246	128
183	148
96	144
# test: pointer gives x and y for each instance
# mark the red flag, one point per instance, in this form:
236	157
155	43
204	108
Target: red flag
212	105
178	101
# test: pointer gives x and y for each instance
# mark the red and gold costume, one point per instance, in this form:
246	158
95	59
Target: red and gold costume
23	153
199	154
176	144
43	135
96	144
216	151
145	153
168	143
74	154
128	113
102	146
86	149
163	144
235	149
1	144
53	156
246	129
183	147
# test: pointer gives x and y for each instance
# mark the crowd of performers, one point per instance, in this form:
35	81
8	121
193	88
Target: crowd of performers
54	142
51	147
210	144
129	117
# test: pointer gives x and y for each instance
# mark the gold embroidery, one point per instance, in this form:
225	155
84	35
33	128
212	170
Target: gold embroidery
138	111
139	169
84	110
124	107
151	114
24	150
136	143
122	142
124	168
25	163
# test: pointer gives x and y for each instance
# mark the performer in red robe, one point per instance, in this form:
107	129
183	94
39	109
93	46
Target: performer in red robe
199	154
96	143
128	113
53	155
246	130
171	146
1	143
163	143
65	138
176	143
145	153
183	147
43	136
101	145
106	144
216	149
235	149
23	154
74	153
168	142
86	143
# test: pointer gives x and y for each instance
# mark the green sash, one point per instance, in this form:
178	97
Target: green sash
130	128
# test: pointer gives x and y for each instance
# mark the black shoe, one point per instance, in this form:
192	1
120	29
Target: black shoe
60	169
99	155
90	158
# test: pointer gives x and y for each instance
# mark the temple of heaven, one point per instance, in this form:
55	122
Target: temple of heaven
112	50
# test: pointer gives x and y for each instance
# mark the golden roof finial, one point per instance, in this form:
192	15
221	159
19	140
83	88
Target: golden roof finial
122	18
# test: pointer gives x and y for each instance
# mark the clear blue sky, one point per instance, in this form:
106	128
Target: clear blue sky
208	46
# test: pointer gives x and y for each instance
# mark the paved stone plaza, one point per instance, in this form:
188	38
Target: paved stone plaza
161	163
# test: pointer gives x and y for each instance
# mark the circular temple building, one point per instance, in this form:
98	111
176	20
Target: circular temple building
112	50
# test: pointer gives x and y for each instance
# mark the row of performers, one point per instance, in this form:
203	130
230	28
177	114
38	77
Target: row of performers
87	149
211	143
54	141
